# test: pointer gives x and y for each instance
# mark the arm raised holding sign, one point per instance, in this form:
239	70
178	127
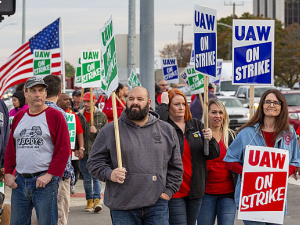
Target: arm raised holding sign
191	134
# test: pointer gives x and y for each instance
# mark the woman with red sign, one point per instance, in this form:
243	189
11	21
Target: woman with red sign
269	127
185	204
218	200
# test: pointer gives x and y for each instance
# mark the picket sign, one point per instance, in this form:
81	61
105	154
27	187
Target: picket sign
110	83
72	128
41	62
170	70
264	184
109	55
77	80
205	46
253	54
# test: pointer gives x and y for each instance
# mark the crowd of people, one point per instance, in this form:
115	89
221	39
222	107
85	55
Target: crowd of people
165	176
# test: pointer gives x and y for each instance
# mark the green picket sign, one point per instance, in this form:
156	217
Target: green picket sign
110	81
133	80
78	82
196	80
41	62
72	128
91	68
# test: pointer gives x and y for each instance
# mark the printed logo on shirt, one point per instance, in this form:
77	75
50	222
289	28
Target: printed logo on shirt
156	137
1	119
154	178
197	134
30	138
288	138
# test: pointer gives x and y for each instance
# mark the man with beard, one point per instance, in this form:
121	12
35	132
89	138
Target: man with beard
152	173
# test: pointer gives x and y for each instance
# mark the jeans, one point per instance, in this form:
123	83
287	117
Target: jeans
156	214
90	192
184	211
26	196
247	222
216	206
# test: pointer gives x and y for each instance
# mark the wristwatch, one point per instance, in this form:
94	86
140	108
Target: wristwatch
82	148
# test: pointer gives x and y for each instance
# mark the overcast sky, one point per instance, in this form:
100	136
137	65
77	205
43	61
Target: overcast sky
82	21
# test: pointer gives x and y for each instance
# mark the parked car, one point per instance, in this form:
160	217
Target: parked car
243	94
293	101
238	114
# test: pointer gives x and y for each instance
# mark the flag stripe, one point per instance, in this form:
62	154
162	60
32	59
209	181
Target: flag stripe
19	66
11	62
10	70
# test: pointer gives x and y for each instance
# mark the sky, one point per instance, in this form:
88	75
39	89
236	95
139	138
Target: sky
82	21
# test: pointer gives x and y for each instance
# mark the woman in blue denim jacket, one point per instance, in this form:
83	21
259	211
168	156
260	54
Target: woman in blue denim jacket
269	127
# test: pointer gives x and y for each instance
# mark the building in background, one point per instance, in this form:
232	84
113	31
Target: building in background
287	11
273	9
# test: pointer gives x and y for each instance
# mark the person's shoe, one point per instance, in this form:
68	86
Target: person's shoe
97	205
89	205
72	190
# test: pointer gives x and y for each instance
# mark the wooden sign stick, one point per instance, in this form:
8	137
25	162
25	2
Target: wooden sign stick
116	125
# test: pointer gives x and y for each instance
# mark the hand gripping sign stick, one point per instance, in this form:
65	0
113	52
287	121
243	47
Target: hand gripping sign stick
116	125
206	141
92	106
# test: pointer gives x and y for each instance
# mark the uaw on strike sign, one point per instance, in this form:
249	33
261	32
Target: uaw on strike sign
205	40
264	184
253	52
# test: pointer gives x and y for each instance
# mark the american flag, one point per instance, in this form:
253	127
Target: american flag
19	66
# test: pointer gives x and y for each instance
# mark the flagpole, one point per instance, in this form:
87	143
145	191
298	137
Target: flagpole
61	45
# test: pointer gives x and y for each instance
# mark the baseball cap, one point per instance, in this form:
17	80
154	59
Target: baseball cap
33	81
87	97
76	93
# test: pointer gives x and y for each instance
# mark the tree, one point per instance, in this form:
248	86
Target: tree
287	56
70	70
173	51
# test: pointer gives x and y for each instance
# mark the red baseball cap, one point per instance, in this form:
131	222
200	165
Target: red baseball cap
87	97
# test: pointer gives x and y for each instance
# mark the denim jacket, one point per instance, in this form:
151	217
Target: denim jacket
253	136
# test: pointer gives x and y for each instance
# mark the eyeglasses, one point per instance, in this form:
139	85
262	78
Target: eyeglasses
275	103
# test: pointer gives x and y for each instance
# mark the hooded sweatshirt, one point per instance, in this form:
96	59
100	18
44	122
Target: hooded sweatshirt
151	156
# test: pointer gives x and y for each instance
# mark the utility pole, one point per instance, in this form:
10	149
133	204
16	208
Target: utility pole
233	7
23	22
181	46
131	36
147	76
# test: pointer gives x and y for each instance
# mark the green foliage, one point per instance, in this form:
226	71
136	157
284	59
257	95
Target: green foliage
70	70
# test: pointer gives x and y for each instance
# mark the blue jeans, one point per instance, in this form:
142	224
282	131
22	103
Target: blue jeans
26	196
216	206
90	192
247	222
184	211
156	214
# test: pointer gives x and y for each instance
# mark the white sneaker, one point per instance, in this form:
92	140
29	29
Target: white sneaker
72	190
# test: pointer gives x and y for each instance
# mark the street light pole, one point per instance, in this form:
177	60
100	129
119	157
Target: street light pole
23	22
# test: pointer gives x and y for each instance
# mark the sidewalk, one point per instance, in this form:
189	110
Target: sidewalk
77	216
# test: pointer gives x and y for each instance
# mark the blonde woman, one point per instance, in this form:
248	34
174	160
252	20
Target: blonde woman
218	200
